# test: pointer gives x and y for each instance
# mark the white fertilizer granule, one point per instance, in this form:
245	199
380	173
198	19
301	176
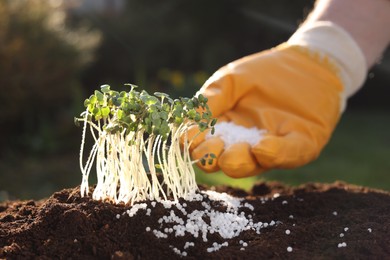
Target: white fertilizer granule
230	133
343	244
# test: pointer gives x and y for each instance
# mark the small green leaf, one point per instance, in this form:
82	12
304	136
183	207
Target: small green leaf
105	88
161	95
131	85
91	107
203	161
120	114
213	122
202	126
99	95
87	102
191	114
197	117
117	101
151	100
164	128
195	102
92	99
156	122
163	115
170	100
206	115
105	112
190	104
179	120
76	121
202	99
95	111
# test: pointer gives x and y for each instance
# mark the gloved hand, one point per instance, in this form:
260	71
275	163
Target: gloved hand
293	92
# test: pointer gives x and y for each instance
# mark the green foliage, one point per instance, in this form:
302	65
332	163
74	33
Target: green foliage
132	111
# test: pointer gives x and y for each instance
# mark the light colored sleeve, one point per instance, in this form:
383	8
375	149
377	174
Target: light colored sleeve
352	33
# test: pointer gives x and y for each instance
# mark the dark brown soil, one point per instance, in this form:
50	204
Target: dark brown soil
320	218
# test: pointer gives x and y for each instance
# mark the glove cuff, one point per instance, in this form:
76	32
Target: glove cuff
334	43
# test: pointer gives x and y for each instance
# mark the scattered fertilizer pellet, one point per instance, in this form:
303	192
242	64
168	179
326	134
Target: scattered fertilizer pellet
159	234
230	133
147	229
276	195
284	202
177	251
188	244
288	232
346	229
343	244
369	230
118	216
217	246
131	212
242	249
291	217
334	213
148	211
249	206
289	249
341	234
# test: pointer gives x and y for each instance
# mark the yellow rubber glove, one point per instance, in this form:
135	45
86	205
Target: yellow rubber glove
289	91
296	92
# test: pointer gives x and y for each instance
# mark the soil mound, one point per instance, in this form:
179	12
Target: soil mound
337	221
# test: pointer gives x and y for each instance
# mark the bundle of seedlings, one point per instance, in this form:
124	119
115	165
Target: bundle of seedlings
138	136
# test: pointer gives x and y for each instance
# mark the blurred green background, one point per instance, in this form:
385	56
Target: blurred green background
54	53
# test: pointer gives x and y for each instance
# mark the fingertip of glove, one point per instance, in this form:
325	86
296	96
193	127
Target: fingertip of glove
267	152
237	161
285	152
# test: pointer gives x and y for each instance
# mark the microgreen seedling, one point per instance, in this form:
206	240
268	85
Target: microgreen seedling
129	125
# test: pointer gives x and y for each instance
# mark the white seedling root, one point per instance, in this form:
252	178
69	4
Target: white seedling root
121	175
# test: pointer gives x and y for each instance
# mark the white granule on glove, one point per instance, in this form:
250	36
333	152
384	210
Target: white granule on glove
230	133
